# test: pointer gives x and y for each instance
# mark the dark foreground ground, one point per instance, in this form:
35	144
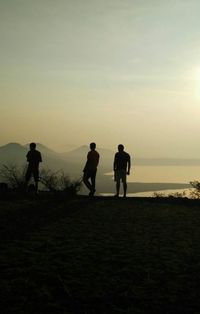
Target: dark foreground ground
100	256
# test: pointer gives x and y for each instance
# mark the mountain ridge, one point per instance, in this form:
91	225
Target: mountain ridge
16	152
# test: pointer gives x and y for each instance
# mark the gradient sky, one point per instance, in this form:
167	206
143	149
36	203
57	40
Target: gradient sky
109	71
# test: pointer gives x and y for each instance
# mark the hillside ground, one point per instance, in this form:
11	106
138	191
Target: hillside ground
134	255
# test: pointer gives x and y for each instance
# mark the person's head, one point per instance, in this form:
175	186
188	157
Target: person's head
92	146
32	146
120	148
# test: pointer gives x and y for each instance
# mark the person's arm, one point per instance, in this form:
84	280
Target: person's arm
86	164
98	157
28	157
114	163
129	165
40	157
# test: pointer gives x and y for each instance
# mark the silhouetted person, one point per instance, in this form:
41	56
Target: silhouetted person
90	169
33	158
121	167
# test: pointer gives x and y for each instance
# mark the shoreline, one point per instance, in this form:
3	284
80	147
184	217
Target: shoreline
105	184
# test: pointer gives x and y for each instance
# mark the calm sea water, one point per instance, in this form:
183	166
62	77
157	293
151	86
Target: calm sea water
166	174
163	174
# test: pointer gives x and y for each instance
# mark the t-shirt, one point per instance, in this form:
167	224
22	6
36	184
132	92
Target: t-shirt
34	158
92	160
121	160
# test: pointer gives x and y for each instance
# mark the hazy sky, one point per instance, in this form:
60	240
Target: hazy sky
109	71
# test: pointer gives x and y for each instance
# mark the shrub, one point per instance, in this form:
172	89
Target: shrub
171	195
49	179
13	175
158	194
52	181
195	192
59	181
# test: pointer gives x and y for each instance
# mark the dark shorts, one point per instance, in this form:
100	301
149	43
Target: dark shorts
32	171
120	174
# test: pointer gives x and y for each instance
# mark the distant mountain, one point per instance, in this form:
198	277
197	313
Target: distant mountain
77	154
14	153
73	161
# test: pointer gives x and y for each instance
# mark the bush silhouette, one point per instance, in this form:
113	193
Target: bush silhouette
55	181
52	181
195	193
13	176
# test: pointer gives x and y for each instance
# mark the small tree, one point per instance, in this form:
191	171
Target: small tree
13	175
59	181
49	179
69	186
195	192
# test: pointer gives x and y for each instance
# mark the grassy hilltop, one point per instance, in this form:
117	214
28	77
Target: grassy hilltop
100	256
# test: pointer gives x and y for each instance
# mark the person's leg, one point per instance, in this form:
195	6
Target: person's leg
86	176
117	188
93	180
36	186
117	180
27	176
124	182
36	178
125	188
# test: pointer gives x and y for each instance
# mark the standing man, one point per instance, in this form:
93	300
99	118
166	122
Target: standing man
90	169
33	158
121	167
